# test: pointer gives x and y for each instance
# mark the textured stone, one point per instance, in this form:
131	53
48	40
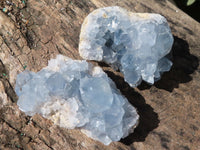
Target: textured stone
75	94
135	43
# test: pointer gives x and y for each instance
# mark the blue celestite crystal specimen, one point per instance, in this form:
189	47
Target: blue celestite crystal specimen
75	94
134	43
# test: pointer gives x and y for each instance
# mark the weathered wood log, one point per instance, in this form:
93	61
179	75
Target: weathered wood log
169	110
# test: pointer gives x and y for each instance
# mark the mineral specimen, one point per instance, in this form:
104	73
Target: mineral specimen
134	43
75	94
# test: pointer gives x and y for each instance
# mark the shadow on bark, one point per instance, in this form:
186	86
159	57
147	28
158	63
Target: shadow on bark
148	120
184	64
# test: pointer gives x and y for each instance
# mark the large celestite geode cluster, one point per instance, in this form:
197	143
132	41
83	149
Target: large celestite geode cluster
134	43
75	94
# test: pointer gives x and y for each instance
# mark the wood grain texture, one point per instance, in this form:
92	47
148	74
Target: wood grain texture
169	110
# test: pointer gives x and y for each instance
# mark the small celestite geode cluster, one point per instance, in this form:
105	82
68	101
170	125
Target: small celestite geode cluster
134	43
75	94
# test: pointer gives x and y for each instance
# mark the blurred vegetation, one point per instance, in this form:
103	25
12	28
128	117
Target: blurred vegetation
191	7
188	2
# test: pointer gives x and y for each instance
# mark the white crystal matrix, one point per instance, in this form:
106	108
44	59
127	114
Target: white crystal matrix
134	43
75	94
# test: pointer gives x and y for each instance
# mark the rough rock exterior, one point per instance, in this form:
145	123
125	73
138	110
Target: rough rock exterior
169	110
135	43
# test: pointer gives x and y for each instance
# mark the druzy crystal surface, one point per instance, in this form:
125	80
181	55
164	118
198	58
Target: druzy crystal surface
134	43
75	94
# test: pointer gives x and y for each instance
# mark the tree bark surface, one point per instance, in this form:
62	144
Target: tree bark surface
37	30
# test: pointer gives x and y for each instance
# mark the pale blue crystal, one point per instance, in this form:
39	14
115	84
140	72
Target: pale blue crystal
134	43
96	88
75	94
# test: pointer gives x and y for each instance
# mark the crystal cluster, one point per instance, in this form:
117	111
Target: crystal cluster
134	43
75	94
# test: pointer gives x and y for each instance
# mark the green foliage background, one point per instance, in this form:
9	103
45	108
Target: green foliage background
188	2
